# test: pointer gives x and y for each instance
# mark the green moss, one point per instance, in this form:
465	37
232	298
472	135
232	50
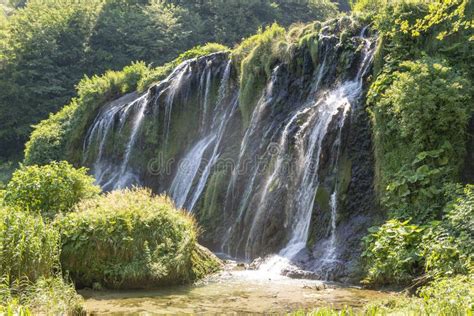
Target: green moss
322	199
204	262
344	175
378	56
255	58
211	208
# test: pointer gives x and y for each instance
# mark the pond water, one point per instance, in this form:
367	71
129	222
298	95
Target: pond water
232	291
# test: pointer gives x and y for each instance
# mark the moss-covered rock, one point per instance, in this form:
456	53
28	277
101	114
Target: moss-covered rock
131	239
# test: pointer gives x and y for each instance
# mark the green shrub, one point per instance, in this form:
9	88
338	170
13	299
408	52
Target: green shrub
130	239
29	248
49	189
445	296
416	147
449	296
50	296
47	141
398	251
448	245
391	253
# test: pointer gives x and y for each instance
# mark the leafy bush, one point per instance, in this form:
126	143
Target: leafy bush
417	150
414	27
445	296
449	296
47	141
49	189
391	253
448	245
397	251
29	248
130	239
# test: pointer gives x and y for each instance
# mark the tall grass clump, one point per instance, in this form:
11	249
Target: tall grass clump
29	248
49	189
46	296
129	239
159	73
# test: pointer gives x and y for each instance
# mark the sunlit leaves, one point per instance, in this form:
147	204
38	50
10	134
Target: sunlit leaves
49	189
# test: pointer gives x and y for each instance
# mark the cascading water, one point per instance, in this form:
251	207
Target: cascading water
187	171
189	166
276	186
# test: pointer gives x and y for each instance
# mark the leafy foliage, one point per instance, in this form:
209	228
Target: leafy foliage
46	296
49	189
398	252
392	253
422	90
417	150
130	239
29	248
448	245
42	53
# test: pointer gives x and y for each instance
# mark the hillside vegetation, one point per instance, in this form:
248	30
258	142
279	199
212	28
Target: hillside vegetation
47	46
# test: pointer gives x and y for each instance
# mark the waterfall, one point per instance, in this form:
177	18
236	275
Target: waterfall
187	171
271	188
124	177
309	138
331	250
182	73
189	167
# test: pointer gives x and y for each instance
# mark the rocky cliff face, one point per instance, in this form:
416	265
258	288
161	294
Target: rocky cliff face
296	180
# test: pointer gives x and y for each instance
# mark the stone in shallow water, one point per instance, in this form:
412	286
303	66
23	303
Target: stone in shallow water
301	274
